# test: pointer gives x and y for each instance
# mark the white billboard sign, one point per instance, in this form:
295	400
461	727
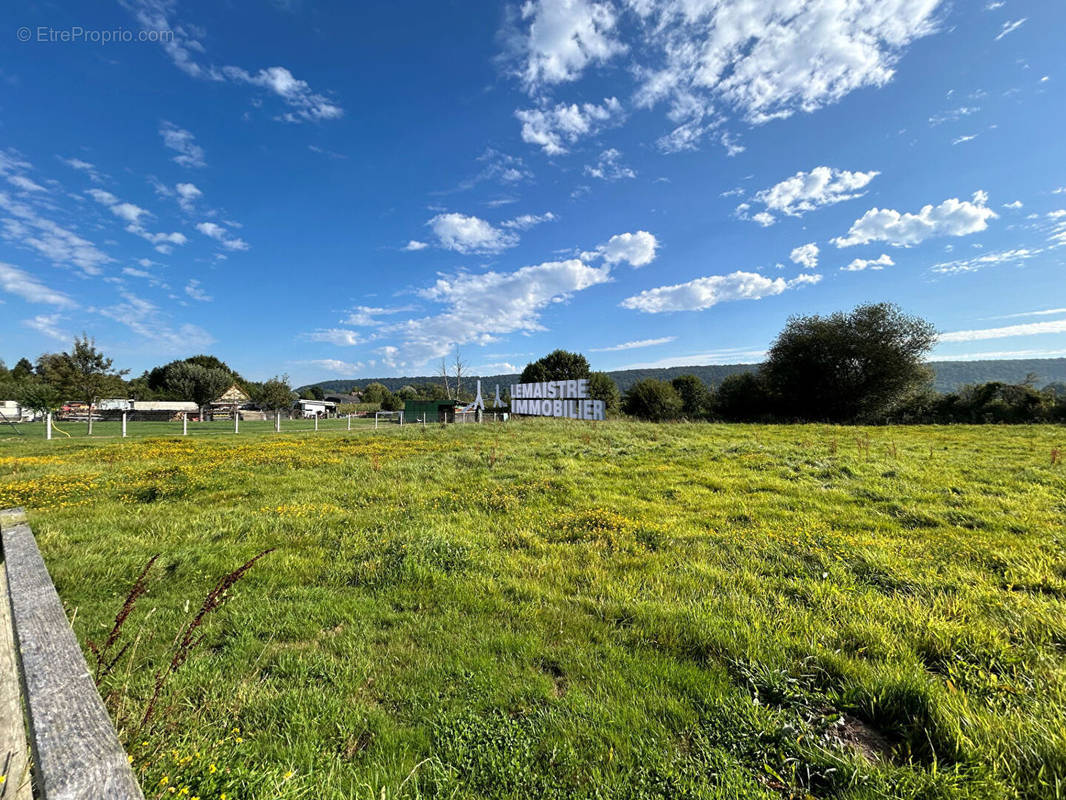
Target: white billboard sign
567	399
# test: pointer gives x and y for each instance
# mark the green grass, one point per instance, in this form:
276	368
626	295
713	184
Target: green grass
570	610
112	429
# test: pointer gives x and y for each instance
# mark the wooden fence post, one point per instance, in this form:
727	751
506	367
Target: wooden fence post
76	752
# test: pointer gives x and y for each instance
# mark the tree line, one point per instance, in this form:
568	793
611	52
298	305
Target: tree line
863	366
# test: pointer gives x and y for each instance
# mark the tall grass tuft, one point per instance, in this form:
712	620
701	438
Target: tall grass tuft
104	663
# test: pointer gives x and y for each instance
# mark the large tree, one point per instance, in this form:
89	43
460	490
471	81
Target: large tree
848	366
85	374
190	381
558	365
695	399
602	387
652	400
274	394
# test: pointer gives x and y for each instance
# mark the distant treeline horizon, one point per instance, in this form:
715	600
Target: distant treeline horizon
949	376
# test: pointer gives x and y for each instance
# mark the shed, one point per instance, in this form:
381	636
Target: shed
430	410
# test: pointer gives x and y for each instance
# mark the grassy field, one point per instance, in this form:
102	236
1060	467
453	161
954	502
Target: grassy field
574	610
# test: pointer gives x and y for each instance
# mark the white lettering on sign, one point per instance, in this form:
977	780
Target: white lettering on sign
568	399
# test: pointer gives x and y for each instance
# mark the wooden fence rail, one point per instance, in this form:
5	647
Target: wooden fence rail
73	748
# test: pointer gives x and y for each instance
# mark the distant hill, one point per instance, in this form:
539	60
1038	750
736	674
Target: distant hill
950	375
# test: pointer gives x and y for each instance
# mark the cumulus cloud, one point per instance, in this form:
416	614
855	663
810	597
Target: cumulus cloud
414	245
609	167
194	290
306	104
636	249
761	61
805	255
22	284
702	293
563	37
806	191
189	153
859	264
953	217
467	234
221	235
187	195
552	129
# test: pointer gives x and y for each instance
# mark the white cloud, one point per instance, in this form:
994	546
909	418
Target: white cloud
220	234
188	193
1027	329
953	217
636	249
21	284
964	139
772	59
338	367
466	234
633	345
414	244
82	166
307	104
702	293
987	260
146	320
731	355
526	221
609	167
189	153
1016	204
336	336
367	316
25	184
806	191
196	292
128	212
953	115
185	44
478	308
565	36
859	264
805	255
1042	313
30	229
552	129
48	325
1009	27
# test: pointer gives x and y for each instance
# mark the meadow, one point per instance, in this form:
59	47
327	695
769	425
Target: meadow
557	609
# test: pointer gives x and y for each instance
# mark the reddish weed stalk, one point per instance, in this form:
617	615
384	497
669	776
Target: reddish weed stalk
104	665
188	641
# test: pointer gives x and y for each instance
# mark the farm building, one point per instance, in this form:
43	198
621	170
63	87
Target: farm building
429	410
229	402
315	408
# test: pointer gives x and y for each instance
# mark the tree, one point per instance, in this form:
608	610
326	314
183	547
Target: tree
375	393
558	365
460	366
742	397
652	400
86	374
602	387
407	392
22	369
38	395
391	402
443	373
848	366
201	385
695	399
274	394
317	393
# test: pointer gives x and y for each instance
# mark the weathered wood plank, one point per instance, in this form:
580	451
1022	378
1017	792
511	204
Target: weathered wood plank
14	751
76	753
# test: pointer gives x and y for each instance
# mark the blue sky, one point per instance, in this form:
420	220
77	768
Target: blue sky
330	190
